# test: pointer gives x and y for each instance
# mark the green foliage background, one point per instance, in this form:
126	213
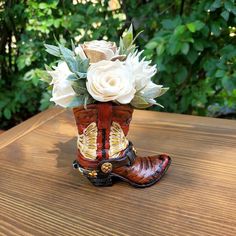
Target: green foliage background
192	43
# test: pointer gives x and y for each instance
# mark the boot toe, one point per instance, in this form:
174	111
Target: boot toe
165	161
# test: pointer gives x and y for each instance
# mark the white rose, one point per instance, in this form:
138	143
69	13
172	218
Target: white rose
142	71
110	81
98	50
62	92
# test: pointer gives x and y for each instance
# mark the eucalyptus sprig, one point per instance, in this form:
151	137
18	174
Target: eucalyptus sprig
127	44
76	64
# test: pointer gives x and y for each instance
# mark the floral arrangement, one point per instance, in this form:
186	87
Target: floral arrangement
100	71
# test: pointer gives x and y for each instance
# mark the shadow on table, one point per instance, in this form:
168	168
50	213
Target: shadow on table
66	153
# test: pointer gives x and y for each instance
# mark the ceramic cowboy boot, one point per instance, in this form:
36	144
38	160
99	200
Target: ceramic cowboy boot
105	154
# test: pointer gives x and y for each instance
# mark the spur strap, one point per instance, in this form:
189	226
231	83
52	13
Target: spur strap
106	166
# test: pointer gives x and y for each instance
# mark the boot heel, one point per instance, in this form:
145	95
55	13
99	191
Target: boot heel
101	181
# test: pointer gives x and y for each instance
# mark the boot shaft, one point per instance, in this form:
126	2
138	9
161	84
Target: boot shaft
102	130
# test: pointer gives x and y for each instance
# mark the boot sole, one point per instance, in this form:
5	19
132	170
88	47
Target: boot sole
108	181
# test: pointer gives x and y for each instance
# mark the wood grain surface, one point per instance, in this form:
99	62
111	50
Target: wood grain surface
40	193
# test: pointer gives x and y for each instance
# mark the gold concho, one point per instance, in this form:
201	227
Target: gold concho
106	167
92	174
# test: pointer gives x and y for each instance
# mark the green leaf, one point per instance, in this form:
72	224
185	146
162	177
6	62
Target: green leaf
174	46
216	4
7	113
160	48
80	88
121	45
225	15
128	37
185	48
81	100
192	56
179	30
168	24
43	5
88	100
76	102
198	45
53	50
45	101
137	35
195	26
151	45
228	84
209	66
171	24
72	45
126	42
191	27
21	62
181	75
90	10
85	101
44	76
72	64
219	73
66	53
83	65
199	25
215	28
163	91
81	75
72	77
160	64
228	51
229	5
139	102
47	67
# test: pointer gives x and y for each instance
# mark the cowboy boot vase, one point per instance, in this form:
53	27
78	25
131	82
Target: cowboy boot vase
104	152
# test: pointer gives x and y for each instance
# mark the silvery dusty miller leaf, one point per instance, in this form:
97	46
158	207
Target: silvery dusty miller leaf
53	50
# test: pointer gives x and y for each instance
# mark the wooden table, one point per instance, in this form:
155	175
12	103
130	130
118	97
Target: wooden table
40	193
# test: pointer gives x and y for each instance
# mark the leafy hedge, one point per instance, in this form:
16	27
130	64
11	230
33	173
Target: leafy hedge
192	42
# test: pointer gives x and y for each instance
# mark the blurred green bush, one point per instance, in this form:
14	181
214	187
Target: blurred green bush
192	43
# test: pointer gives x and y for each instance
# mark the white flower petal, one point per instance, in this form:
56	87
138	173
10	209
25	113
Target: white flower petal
62	92
80	52
127	98
110	81
141	69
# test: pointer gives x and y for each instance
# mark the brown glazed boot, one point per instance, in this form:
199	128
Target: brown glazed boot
105	154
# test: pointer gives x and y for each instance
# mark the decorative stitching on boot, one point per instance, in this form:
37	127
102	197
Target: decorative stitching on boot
117	139
87	142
